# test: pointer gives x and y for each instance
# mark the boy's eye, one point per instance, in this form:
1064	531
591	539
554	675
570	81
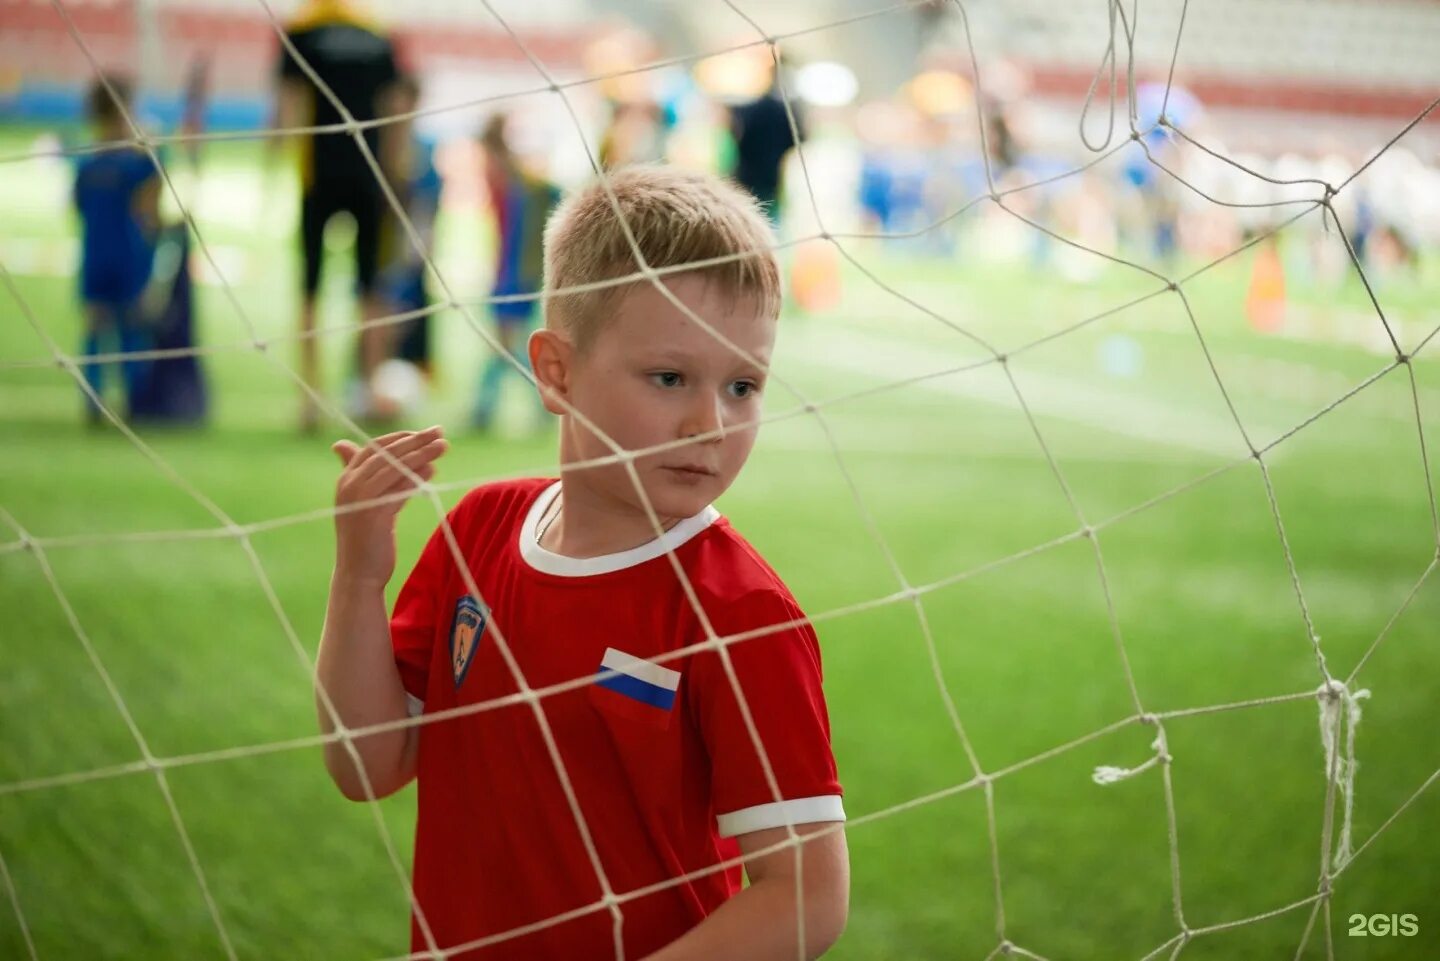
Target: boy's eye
743	388
666	378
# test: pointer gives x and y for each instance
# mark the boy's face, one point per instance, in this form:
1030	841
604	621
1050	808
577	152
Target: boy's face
651	375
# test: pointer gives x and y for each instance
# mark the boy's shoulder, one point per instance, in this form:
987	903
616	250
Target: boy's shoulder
744	597
498	499
734	581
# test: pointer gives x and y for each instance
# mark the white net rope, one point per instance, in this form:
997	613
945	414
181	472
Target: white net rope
1339	711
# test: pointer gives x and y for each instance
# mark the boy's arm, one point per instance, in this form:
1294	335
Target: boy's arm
356	664
760	923
778	675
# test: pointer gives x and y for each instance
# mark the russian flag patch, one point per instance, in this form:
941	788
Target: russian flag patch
635	688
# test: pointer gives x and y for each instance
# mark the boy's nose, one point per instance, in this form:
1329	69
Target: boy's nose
707	414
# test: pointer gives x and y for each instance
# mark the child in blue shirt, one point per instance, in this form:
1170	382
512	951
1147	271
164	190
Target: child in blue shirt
521	203
117	197
409	160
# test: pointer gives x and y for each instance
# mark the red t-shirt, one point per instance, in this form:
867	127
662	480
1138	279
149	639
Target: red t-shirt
663	767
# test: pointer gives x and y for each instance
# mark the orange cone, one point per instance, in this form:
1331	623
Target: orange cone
815	276
1265	301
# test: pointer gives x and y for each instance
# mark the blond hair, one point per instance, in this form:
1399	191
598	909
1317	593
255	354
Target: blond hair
677	217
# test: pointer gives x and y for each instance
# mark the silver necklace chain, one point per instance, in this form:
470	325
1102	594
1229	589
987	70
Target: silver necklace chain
548	520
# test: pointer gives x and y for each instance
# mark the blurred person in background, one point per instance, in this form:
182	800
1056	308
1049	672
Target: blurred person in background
761	128
117	194
521	201
409	163
356	62
634	135
636	128
1154	194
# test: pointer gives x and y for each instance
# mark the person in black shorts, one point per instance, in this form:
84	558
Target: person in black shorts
356	61
763	137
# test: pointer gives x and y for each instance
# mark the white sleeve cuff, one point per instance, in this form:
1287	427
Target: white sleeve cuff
805	810
413	705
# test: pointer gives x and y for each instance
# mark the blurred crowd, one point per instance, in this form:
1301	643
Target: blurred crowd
917	169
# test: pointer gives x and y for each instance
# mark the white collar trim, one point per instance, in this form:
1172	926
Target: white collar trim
551	563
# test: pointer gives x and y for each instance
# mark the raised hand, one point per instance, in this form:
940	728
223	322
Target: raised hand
365	537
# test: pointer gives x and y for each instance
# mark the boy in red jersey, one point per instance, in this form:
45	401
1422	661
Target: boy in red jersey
601	765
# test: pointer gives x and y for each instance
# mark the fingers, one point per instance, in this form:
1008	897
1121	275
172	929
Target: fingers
352	455
413	452
370	474
385	441
425	472
345	450
388	479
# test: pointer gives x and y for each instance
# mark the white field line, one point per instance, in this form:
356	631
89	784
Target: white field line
1089	403
891	444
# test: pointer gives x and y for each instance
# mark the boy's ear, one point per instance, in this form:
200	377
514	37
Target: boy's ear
551	357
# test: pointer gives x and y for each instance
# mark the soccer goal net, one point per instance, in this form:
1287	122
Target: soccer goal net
1052	352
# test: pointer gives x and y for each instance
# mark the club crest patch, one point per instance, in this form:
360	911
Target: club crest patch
465	631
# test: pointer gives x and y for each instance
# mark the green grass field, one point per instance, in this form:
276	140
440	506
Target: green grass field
946	474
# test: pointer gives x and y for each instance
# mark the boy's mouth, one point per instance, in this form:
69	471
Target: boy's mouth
690	470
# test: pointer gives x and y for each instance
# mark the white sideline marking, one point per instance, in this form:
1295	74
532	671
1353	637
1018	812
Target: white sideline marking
1087	403
892	445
